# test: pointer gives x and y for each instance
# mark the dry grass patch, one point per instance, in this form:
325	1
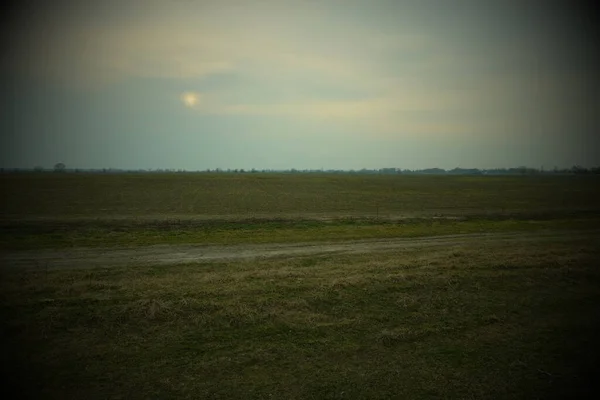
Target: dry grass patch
452	322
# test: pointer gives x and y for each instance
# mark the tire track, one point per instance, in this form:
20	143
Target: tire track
189	253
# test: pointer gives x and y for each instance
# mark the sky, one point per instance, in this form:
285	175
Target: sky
306	84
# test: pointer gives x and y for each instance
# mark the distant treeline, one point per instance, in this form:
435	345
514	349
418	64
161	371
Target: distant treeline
61	168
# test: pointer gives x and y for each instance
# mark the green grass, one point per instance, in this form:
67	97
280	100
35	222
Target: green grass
480	321
491	321
287	196
125	233
65	210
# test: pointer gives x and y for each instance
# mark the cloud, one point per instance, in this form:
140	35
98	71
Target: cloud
343	63
180	39
417	113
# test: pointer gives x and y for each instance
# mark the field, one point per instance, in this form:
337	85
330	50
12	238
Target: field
209	196
66	210
299	286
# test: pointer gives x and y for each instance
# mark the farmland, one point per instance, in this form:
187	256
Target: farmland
65	210
153	196
299	286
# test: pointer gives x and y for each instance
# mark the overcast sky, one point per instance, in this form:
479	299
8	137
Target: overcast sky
198	84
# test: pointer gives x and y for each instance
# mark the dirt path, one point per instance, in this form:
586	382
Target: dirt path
178	254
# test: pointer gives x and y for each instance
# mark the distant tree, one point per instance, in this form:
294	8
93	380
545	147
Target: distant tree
433	171
59	167
37	168
577	169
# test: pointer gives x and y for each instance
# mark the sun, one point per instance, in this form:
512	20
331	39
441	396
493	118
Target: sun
190	99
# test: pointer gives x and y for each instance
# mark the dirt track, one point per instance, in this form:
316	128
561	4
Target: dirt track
178	254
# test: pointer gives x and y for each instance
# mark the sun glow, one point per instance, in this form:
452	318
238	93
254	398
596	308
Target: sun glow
190	99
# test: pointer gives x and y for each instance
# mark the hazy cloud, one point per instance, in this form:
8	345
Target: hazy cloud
393	68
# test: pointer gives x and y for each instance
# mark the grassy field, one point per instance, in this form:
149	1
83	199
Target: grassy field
475	322
65	210
128	233
157	196
488	320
